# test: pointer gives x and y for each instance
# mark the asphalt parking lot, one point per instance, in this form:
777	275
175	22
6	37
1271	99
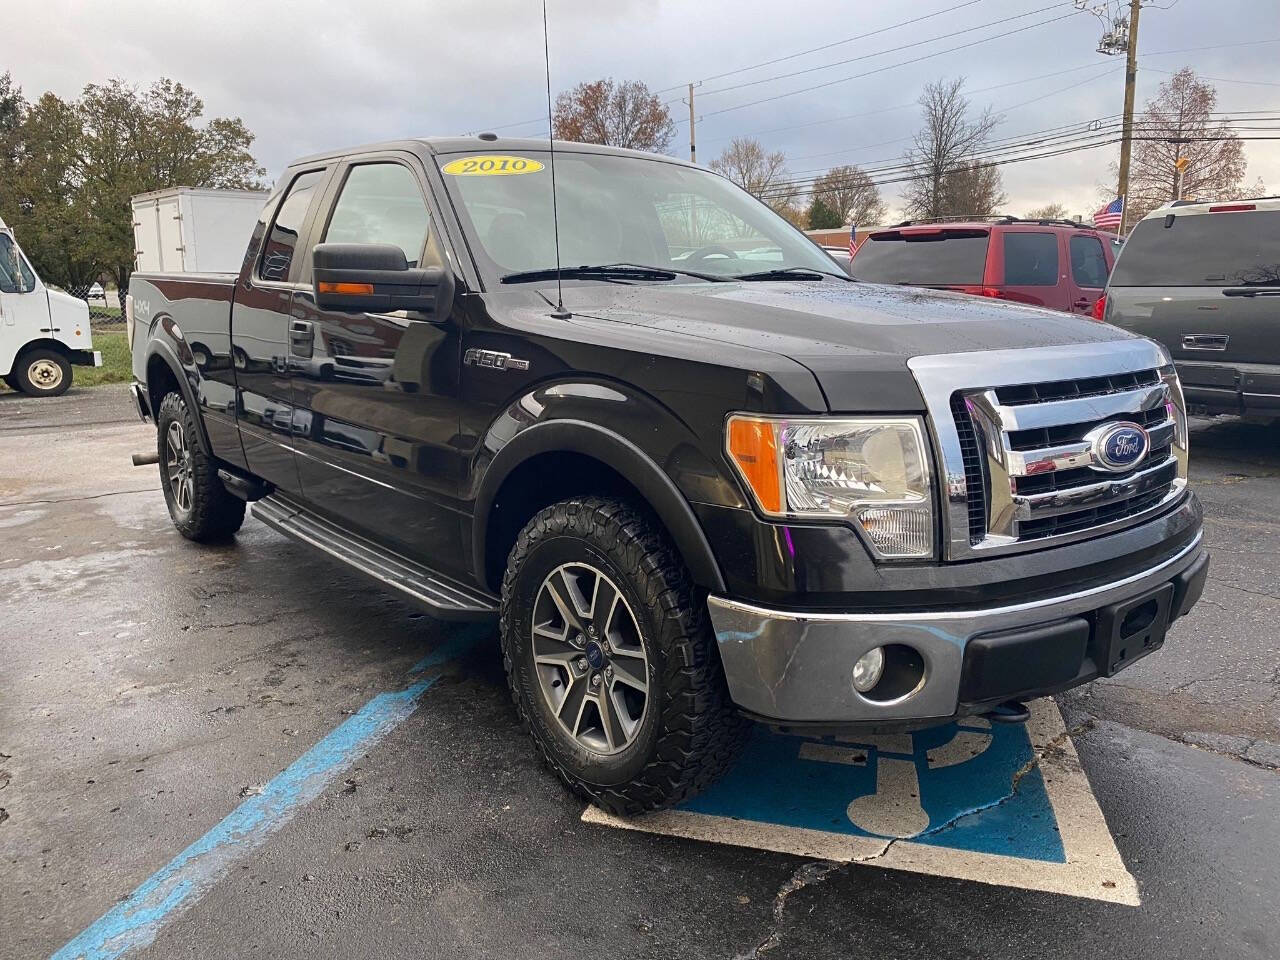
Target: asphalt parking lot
245	751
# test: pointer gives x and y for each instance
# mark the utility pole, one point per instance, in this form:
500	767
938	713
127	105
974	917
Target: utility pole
1120	37
693	143
1130	82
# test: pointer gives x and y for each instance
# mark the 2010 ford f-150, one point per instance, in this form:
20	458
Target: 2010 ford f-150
720	481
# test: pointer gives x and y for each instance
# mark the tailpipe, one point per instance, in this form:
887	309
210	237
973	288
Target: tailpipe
143	459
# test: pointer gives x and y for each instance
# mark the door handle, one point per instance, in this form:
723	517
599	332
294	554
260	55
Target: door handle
302	338
1084	303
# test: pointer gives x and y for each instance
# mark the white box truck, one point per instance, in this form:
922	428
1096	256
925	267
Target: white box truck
43	331
192	230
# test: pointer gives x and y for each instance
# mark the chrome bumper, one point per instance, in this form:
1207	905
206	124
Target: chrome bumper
139	401
796	667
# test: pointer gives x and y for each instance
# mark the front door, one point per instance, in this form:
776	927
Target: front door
1088	275
260	336
24	305
377	392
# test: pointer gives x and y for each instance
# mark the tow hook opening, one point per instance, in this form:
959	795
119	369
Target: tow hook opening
1011	711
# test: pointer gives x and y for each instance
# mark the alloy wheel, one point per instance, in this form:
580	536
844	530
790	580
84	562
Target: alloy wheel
178	467
589	658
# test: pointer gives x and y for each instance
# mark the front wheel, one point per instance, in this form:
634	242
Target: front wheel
42	373
199	505
611	660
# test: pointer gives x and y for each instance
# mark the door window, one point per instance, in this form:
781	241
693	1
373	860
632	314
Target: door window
381	203
1088	262
277	252
1030	259
15	275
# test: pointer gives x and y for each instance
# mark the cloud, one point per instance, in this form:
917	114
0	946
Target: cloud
308	75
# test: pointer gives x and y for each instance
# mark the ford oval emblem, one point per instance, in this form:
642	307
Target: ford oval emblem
1119	446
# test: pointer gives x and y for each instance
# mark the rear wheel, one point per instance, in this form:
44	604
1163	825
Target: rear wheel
611	660
199	505
42	373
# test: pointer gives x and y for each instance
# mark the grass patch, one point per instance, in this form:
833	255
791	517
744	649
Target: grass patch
117	366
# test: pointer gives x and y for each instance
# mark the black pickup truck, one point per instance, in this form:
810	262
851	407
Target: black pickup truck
720	482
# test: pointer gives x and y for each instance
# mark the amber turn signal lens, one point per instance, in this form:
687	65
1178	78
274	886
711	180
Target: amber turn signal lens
754	448
328	286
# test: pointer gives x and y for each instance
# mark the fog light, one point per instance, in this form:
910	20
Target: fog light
867	671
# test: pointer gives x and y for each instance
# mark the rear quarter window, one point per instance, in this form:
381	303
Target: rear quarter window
942	258
1030	259
1202	250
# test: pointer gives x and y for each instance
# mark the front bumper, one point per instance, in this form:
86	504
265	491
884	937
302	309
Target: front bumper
794	667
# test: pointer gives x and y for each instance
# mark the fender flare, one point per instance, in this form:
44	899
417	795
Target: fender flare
165	351
614	450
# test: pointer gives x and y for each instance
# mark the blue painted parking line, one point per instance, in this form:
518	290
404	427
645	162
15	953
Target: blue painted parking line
1007	805
136	920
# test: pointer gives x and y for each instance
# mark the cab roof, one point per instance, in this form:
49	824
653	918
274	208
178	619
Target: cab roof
439	146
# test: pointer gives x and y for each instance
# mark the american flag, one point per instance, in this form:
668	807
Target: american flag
853	239
1109	216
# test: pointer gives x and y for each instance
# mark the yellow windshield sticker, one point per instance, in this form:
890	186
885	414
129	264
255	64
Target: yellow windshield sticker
491	165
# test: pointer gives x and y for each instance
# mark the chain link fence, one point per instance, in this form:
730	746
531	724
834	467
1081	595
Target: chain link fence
105	309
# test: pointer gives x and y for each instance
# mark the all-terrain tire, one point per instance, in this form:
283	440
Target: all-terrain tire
41	373
690	732
204	511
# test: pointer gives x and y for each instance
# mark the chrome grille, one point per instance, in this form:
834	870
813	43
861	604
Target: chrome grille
1018	457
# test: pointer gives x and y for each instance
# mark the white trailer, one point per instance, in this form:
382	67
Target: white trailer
192	230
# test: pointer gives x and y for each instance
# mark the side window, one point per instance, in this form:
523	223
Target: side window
277	252
15	275
1088	262
1030	259
381	203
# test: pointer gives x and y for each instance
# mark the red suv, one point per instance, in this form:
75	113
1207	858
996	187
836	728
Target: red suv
1058	264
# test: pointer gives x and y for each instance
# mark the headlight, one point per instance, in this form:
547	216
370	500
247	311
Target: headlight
874	471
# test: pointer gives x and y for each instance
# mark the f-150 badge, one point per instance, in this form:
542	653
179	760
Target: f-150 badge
493	360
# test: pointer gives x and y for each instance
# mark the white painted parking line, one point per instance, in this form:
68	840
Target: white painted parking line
1003	805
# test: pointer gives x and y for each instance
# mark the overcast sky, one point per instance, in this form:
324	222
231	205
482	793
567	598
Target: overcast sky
308	75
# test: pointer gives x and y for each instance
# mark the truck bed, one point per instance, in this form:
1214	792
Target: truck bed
199	304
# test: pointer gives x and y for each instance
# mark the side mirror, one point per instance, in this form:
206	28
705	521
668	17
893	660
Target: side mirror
376	278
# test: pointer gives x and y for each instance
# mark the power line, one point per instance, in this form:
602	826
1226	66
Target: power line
881	53
826	46
891	66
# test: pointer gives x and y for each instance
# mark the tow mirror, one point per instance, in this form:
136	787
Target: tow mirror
376	278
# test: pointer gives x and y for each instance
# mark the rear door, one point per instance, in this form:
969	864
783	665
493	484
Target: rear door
1207	286
260	335
1087	258
378	392
1031	267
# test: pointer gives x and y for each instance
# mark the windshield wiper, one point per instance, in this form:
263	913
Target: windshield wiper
606	271
1269	291
791	273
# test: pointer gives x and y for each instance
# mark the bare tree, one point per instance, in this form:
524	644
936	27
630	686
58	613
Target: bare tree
850	194
944	151
1178	123
972	190
761	174
616	113
1050	211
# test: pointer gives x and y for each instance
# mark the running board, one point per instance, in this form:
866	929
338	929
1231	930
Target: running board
442	597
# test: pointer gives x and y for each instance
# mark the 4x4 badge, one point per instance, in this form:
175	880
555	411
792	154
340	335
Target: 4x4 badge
493	360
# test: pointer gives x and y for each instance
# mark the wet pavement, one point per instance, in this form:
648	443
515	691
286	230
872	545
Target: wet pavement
304	764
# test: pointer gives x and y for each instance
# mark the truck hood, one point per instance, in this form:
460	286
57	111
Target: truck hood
856	338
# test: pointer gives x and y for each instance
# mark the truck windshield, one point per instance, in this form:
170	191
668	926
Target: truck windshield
1202	249
618	210
938	257
15	275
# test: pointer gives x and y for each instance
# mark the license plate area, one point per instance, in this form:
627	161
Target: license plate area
1130	630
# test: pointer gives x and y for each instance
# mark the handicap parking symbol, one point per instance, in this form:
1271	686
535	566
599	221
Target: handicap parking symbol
1001	804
